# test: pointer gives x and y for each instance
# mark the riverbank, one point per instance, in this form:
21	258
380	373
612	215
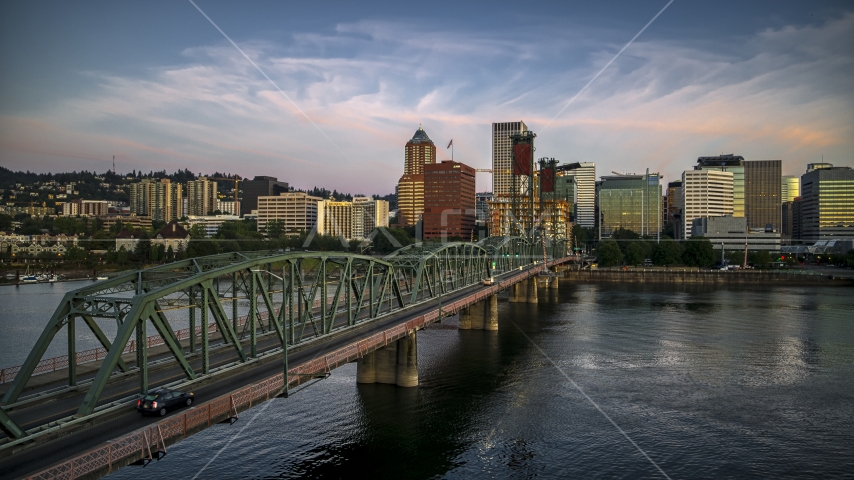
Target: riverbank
712	277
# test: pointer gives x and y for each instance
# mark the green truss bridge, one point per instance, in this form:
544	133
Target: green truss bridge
324	309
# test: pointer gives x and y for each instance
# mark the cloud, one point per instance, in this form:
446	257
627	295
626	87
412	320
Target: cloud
778	93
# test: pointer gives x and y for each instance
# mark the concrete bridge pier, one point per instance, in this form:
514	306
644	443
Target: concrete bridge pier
554	283
519	293
532	290
482	315
394	364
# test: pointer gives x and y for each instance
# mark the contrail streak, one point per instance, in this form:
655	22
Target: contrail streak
268	78
606	65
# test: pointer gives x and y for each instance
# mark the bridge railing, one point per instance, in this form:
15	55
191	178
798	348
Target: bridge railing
53	364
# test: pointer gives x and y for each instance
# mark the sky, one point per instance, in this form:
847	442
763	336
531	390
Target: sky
327	93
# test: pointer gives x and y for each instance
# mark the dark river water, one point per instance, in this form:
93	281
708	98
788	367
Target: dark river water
605	381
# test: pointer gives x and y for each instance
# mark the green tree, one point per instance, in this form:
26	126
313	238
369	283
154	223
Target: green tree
666	252
635	253
142	251
608	253
579	235
760	258
122	256
382	244
75	254
275	229
170	254
5	222
698	252
197	231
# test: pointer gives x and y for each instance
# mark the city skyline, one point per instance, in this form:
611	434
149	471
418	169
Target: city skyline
159	87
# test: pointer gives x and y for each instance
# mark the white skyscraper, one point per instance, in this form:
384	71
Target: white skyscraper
585	196
502	180
705	193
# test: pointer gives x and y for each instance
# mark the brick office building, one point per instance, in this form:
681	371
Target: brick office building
449	200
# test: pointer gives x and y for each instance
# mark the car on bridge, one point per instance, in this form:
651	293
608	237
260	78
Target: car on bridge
159	401
489	281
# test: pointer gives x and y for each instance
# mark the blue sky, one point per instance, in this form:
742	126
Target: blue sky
156	85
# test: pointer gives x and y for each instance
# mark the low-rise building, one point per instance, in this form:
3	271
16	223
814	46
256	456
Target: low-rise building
85	208
730	233
128	239
211	223
172	235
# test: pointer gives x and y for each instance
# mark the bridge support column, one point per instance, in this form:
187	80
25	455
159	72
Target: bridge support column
394	364
554	283
532	290
482	315
366	369
519	292
465	318
407	361
490	313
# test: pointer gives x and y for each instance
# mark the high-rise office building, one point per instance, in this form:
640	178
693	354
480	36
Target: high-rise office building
585	191
827	208
369	214
162	201
201	196
790	188
260	186
762	185
351	220
418	152
705	193
449	200
630	202
297	210
674	202
502	174
727	163
482	207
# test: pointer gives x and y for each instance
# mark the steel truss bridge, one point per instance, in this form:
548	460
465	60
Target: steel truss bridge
299	297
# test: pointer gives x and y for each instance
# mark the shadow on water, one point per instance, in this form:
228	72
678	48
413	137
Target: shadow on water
420	432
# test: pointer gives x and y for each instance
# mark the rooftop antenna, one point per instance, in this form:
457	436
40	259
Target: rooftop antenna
114	164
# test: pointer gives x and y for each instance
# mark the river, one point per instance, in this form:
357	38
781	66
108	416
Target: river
605	381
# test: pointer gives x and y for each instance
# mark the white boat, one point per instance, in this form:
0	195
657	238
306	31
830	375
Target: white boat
53	278
101	278
27	278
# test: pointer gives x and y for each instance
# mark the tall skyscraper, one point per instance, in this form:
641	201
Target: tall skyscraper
705	193
449	200
631	202
418	152
762	185
260	186
502	175
827	206
585	191
201	196
790	188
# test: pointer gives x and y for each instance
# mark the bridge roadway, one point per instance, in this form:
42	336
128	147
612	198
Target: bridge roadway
83	438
